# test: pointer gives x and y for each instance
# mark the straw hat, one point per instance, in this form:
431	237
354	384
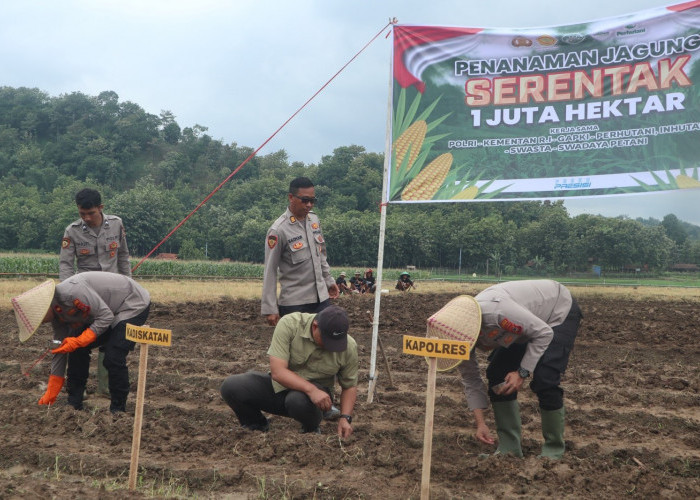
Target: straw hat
31	307
459	319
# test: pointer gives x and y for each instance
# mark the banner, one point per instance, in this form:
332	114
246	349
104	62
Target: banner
600	108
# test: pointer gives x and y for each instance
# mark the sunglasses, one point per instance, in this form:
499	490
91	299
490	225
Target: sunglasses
306	199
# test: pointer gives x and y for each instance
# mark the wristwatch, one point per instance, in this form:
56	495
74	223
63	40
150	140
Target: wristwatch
523	372
346	417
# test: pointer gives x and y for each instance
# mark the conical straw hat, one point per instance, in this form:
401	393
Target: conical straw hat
459	319
31	307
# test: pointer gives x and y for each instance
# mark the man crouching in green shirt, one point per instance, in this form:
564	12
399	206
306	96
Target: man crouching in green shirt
307	353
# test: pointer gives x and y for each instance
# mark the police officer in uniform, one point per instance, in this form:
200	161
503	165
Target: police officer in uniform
96	242
295	252
87	310
530	327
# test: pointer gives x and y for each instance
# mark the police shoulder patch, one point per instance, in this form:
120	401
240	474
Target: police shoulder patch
65	243
510	326
84	308
272	241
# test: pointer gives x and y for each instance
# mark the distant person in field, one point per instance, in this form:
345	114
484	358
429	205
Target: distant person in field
295	252
530	327
307	354
94	242
357	283
404	283
370	281
343	286
87	311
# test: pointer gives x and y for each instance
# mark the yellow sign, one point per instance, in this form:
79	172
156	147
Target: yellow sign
436	348
147	335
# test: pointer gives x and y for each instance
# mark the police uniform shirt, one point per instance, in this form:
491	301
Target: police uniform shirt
94	300
295	251
515	312
103	251
293	342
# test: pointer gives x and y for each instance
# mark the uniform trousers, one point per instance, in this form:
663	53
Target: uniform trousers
249	394
547	375
316	307
116	347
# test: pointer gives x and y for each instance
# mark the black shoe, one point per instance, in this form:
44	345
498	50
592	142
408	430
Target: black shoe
117	407
261	426
317	430
75	405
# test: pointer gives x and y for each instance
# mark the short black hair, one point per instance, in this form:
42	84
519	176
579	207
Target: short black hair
300	183
88	198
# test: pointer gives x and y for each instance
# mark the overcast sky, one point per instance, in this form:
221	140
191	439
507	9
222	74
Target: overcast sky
242	67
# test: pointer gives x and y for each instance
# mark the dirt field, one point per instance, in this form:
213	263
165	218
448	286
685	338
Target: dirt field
632	395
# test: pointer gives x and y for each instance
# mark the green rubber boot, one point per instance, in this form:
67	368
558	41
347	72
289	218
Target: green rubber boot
102	376
553	433
507	416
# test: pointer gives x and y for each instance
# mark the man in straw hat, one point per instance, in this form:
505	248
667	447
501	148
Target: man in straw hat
530	327
97	304
307	353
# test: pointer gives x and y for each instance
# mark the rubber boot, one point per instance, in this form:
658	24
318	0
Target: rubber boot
508	427
553	433
102	376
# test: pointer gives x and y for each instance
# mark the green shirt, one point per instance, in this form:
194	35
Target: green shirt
293	342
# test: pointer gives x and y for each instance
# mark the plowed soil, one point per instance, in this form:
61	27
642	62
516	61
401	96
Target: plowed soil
632	396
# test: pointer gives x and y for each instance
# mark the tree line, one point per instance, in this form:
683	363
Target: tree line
152	173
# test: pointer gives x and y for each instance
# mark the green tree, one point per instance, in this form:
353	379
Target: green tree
149	214
190	251
674	229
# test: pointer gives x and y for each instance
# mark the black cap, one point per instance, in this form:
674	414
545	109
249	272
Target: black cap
333	323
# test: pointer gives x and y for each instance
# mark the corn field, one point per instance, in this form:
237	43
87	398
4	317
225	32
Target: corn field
47	265
20	265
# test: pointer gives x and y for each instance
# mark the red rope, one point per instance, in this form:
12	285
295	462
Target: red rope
26	374
258	149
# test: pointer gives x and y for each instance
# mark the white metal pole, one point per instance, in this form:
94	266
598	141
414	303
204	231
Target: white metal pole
380	252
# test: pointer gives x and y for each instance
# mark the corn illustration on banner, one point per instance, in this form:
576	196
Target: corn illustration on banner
609	107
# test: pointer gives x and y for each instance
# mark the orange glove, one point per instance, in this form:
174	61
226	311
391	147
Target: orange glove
70	344
54	388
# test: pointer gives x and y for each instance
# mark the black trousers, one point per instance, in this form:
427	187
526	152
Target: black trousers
547	375
305	308
249	394
116	347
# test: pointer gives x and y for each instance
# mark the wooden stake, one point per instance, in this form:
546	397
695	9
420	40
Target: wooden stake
138	416
428	433
386	361
381	349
